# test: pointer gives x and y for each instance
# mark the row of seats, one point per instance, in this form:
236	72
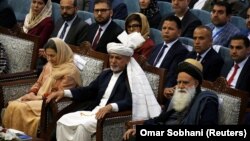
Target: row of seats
165	8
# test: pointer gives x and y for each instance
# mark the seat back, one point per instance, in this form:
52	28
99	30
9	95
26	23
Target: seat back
121	23
203	15
21	8
187	42
238	22
12	90
21	50
56	12
132	6
88	17
95	63
156	78
155	35
232	102
164	7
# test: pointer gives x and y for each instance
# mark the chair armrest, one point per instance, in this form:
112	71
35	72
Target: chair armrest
131	124
18	76
112	126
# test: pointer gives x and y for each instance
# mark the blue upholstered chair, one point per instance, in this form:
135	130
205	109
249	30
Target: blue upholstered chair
121	23
155	35
165	7
56	13
21	8
203	15
238	22
132	6
86	16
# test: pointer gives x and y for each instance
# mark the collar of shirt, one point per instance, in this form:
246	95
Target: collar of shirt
204	53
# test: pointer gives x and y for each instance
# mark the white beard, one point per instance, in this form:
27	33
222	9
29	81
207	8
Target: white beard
182	98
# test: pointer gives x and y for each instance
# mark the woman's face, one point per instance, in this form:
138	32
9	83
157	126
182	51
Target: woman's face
51	56
144	3
37	6
133	26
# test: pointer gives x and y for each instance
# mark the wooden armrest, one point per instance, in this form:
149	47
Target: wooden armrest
130	124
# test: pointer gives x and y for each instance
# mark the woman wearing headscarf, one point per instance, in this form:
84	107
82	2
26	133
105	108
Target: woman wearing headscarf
137	22
59	73
151	10
39	22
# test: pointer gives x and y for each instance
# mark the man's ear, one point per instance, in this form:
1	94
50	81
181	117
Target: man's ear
196	83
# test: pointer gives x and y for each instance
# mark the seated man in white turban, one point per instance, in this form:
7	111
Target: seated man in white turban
112	92
189	105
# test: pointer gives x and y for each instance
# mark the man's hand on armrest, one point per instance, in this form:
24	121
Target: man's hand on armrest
103	111
55	95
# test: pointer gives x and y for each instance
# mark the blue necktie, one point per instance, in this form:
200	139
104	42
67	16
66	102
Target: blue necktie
160	54
63	31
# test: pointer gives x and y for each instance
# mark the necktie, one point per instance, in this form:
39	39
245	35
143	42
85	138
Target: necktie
198	57
97	38
63	31
230	80
159	54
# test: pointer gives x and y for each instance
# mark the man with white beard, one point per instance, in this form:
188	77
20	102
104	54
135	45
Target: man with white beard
189	105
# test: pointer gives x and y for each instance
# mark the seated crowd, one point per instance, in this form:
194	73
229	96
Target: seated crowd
116	89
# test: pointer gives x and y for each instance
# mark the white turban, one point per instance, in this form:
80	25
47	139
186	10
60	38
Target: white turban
129	43
145	105
119	48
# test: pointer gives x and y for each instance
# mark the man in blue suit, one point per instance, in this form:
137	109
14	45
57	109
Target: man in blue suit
168	54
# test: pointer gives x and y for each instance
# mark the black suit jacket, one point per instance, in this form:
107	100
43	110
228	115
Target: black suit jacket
109	35
120	95
175	55
77	32
243	82
212	64
189	23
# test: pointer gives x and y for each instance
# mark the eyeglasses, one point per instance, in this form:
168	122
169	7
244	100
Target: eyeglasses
101	10
134	26
66	7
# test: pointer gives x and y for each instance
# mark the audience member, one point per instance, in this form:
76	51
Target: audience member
168	54
3	60
39	22
70	27
7	15
189	105
150	9
190	5
138	22
238	74
104	30
203	52
239	7
119	8
113	92
59	73
220	24
247	31
189	20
